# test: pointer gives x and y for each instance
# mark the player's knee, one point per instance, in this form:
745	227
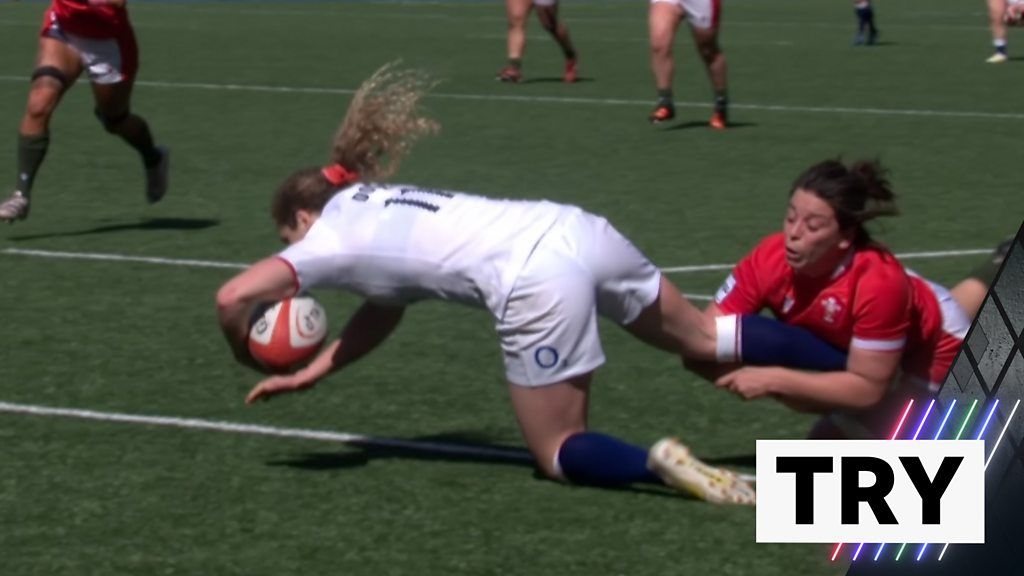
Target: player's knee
112	122
709	50
41	104
661	49
48	83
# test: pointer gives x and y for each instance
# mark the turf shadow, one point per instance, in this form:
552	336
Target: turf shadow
704	124
446	448
146	224
553	80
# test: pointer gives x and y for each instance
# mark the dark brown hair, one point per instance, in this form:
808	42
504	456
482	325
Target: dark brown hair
857	194
382	123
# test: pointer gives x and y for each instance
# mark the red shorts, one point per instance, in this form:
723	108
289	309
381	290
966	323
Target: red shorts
109	56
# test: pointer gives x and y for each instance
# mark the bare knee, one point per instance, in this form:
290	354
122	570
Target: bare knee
661	49
42	100
709	51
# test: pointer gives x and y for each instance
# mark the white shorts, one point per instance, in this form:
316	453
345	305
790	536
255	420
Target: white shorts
106	60
703	14
545	2
580	269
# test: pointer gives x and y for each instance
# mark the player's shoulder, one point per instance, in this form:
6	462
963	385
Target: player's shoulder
770	252
876	268
877	260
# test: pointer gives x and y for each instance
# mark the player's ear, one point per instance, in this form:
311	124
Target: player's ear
847	239
304	219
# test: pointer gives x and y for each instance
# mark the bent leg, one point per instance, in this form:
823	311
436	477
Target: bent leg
553	422
548	16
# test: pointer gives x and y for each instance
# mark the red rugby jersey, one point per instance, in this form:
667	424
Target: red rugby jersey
82	18
869	301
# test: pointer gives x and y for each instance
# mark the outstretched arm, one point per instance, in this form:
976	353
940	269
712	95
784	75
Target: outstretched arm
368	328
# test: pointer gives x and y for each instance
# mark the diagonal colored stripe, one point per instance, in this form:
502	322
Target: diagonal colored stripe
974	404
924	419
942	425
896	432
1002	433
835	553
879	552
988	418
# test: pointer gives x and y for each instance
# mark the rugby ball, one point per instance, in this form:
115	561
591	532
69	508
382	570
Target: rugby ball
288	333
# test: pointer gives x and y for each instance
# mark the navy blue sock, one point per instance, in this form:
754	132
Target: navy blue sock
768	342
595	459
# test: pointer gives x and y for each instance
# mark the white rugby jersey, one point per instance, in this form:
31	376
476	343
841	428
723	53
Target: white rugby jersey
396	244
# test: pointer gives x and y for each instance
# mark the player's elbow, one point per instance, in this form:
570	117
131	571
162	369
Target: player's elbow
870	396
228	297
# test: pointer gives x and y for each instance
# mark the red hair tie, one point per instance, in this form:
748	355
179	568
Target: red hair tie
338	175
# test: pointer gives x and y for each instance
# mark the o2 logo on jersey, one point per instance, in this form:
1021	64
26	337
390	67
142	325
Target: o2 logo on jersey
546	357
879	491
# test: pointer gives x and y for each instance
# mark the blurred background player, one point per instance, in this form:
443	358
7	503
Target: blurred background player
866	31
998	14
971	291
825	275
1014	13
545	271
94	36
547	12
703	17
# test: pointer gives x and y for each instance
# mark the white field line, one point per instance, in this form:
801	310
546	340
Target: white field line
906	112
241	265
125	258
259	430
169	261
509	454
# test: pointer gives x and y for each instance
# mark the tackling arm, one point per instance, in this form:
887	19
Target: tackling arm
862	385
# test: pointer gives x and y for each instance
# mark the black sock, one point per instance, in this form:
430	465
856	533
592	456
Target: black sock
31	151
516	63
862	18
665	97
142	140
721	101
570	54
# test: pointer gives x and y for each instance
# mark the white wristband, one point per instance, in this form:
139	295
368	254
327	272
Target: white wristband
727	336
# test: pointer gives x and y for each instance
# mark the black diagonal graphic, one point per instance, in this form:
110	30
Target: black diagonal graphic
998	329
